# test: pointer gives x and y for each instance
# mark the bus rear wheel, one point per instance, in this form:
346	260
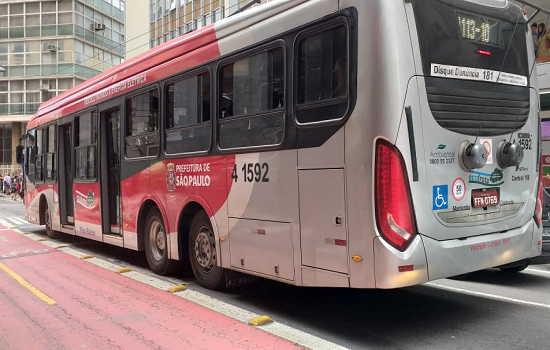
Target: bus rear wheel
48	222
156	244
203	255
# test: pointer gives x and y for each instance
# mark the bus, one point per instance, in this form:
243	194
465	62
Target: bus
334	143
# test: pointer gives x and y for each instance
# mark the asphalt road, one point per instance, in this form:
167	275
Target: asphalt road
491	310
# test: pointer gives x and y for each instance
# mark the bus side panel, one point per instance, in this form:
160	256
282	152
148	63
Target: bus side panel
54	196
177	182
385	65
87	210
263	200
132	190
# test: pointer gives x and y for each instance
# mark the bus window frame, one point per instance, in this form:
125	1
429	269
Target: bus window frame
74	137
40	181
283	111
124	121
189	74
53	178
346	20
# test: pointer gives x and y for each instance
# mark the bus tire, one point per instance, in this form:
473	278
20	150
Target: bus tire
203	255
156	244
48	223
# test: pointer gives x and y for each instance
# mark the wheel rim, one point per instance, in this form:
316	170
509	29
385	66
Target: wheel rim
157	240
205	249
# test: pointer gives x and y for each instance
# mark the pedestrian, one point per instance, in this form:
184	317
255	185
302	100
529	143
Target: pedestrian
7	184
17	190
535	35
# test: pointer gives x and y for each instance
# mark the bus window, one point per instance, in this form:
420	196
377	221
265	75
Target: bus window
39	146
50	154
142	132
323	75
86	146
251	89
188	125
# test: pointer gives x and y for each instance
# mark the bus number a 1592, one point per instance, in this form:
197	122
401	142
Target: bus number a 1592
252	172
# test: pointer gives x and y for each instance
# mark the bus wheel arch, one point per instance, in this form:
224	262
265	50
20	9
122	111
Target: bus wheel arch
154	239
184	229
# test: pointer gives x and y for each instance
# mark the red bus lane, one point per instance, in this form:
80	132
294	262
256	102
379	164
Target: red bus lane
98	309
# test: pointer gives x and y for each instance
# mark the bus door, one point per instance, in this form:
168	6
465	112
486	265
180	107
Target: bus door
110	172
66	174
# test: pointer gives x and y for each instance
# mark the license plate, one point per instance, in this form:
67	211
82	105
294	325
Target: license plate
485	198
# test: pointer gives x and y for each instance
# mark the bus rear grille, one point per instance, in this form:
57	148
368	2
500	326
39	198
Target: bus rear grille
468	107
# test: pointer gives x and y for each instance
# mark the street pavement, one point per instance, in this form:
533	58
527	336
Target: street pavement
97	308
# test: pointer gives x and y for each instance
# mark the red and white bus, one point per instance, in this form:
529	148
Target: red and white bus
342	143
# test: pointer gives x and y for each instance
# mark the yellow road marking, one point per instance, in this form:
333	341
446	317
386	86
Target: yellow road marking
260	320
175	289
27	285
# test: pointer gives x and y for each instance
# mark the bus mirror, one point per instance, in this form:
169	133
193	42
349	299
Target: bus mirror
19	154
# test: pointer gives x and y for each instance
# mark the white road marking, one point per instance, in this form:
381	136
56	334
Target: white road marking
487	295
5	223
18	220
537	271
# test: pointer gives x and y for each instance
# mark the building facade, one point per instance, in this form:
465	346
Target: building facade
47	47
171	18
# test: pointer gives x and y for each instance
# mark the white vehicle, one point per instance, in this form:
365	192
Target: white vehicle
340	143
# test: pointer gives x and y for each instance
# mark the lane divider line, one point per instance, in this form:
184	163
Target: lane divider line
490	296
27	285
537	271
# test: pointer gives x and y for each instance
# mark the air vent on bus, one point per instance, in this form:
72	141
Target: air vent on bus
468	107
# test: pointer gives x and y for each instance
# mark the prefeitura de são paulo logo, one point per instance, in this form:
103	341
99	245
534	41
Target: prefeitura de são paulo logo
170	177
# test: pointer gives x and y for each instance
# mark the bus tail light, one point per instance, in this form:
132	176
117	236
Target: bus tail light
394	210
538	208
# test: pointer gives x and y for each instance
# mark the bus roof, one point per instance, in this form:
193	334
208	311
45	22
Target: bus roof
50	110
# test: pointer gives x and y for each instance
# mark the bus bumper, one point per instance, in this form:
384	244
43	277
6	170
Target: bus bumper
456	257
428	259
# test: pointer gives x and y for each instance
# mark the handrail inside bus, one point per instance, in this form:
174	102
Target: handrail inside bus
534	6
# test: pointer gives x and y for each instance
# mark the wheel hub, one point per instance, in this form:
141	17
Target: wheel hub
205	249
157	239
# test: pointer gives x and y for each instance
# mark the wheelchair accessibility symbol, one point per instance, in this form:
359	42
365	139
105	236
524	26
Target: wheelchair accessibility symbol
440	197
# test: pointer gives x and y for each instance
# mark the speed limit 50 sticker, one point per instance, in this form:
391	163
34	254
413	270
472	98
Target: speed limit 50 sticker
459	189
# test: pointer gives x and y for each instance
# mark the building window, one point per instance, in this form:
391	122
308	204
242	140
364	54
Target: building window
86	146
5	142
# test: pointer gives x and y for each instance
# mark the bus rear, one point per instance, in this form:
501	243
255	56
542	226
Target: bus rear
460	191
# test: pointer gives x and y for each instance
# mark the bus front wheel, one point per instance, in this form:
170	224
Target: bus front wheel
48	223
156	244
203	254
